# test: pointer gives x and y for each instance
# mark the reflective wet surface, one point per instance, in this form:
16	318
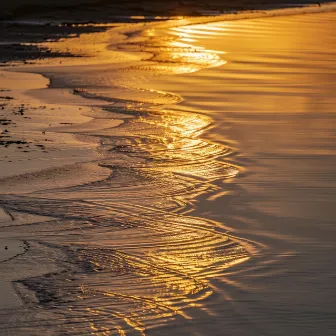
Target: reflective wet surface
218	203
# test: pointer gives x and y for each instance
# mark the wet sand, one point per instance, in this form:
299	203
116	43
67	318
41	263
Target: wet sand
204	204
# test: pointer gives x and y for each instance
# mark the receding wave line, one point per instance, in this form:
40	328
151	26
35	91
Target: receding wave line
121	255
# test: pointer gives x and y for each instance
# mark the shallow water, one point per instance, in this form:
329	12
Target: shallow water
217	216
274	102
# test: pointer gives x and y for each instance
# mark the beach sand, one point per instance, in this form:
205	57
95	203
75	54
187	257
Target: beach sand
176	178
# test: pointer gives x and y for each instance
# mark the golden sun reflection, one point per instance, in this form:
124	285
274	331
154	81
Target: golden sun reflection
181	49
175	52
132	237
147	261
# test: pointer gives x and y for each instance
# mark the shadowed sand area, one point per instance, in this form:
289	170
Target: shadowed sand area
185	184
105	9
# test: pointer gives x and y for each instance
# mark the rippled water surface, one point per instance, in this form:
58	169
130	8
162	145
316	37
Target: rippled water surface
217	215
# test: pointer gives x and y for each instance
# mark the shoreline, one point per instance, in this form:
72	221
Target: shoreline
80	124
31	48
16	180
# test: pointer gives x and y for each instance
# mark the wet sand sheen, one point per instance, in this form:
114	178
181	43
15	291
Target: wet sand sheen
121	255
145	250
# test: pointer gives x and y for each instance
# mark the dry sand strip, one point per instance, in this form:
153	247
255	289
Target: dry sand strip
26	140
41	137
36	156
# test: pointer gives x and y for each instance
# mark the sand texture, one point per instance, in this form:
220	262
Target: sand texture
174	178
